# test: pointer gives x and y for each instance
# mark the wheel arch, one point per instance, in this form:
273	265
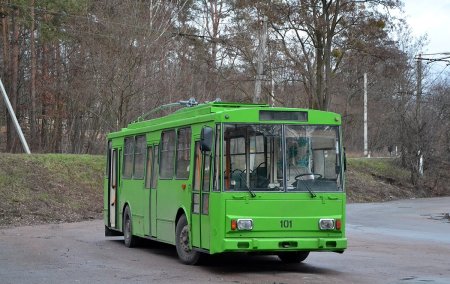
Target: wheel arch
125	205
180	212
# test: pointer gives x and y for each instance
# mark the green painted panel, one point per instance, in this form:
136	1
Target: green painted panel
147	209
170	197
153	212
195	230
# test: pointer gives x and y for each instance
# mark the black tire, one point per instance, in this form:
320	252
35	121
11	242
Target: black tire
185	253
293	257
128	238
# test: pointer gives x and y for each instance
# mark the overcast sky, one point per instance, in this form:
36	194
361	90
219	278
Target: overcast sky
431	17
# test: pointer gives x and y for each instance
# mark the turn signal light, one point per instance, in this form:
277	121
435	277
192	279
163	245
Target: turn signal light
233	225
338	224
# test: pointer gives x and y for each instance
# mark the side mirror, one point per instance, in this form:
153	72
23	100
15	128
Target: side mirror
206	139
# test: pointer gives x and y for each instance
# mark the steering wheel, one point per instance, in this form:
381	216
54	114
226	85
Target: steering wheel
238	171
314	174
261	164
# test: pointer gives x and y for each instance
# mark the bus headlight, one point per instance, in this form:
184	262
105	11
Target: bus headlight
326	224
245	224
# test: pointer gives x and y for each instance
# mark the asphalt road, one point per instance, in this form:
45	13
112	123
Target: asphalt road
396	242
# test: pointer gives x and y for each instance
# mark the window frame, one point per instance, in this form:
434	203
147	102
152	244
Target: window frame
155	173
149	158
339	155
217	162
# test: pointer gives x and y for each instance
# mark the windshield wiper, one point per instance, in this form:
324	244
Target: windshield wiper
250	191
246	186
308	188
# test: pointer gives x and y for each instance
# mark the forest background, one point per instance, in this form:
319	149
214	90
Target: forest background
75	70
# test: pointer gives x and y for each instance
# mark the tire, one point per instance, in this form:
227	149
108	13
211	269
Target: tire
293	257
185	253
128	238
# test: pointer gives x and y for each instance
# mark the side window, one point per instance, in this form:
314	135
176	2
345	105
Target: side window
167	159
216	186
148	173
206	179
155	167
197	176
128	157
183	153
139	152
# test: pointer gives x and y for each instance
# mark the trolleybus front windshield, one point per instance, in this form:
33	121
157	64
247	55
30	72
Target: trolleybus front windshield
270	157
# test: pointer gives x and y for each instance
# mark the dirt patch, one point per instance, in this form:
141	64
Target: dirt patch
367	187
49	189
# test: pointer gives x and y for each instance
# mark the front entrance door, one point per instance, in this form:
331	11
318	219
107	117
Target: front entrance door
200	198
113	188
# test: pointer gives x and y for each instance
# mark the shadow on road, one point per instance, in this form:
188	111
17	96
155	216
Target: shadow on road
231	263
246	263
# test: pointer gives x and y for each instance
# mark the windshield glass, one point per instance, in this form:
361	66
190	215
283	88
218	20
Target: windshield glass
312	158
254	157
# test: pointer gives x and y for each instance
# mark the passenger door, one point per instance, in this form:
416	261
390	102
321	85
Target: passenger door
151	182
200	222
113	183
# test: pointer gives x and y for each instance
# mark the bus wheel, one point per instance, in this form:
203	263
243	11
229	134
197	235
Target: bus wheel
293	257
185	252
128	238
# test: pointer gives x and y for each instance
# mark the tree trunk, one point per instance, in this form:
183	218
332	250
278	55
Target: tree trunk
33	79
59	104
45	96
5	39
13	95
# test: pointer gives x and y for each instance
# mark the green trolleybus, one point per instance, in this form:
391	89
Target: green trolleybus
229	177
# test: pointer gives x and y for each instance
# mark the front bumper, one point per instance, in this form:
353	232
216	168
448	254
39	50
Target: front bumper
283	244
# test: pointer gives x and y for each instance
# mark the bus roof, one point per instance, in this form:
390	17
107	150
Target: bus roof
229	112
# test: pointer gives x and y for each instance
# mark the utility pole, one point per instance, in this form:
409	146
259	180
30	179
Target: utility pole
418	115
260	62
366	144
419	86
14	119
430	57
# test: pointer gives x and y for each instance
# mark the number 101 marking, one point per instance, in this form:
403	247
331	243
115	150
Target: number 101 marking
286	224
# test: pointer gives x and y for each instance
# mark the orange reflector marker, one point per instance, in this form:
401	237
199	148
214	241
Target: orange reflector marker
338	224
233	225
183	186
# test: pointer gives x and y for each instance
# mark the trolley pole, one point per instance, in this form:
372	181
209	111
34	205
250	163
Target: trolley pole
14	119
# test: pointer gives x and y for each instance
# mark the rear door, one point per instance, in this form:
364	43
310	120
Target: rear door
113	182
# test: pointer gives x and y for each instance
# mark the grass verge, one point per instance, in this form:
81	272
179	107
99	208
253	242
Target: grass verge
51	188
